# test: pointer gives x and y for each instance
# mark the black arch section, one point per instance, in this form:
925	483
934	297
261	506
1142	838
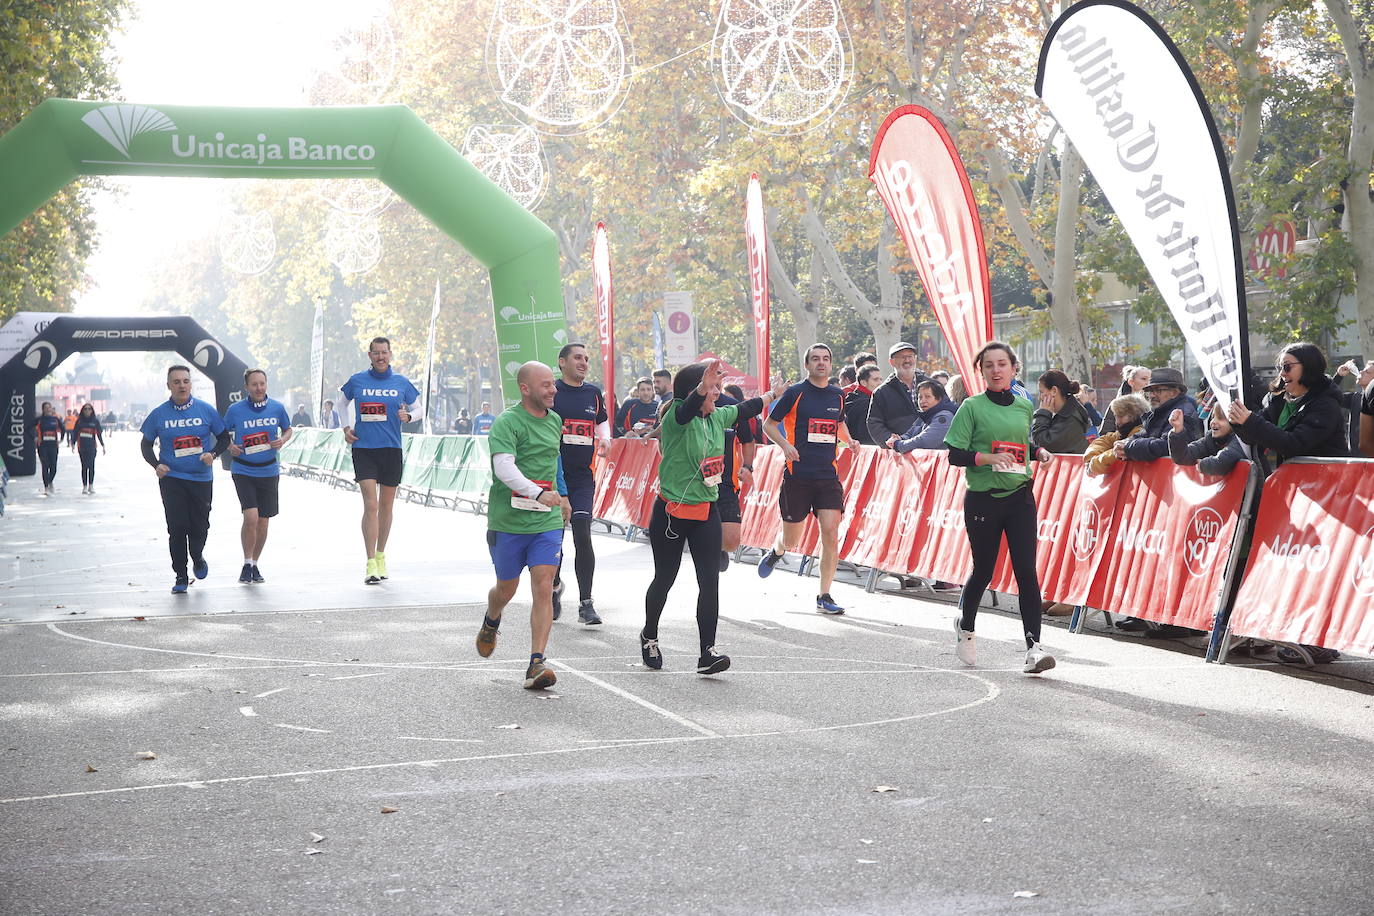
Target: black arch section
69	334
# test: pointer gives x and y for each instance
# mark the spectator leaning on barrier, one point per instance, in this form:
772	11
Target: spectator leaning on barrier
1133	381
1215	453
1061	424
894	403
932	422
1125	412
1367	422
857	401
1363	377
1302	415
1167	392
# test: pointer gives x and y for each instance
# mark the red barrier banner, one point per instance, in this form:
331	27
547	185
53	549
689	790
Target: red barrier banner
759	519
1089	539
629	465
1310	577
1056	490
811	534
858	495
941	550
891	486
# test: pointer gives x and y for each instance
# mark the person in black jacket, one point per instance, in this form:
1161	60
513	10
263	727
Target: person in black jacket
1215	453
1302	415
856	403
1167	392
1061	423
893	407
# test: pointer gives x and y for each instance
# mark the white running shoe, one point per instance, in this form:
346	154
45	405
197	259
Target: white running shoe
1038	660
964	647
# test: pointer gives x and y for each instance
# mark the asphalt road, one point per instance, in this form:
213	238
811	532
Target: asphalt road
841	765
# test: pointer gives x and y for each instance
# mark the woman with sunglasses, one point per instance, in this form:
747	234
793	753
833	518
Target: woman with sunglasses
1302	415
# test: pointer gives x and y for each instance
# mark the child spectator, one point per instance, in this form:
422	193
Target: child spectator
1125	412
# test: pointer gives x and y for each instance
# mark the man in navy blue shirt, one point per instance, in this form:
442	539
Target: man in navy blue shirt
586	433
49	433
260	426
190	435
638	416
383	400
807	423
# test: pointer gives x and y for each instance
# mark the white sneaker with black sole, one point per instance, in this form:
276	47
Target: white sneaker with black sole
1038	661
964	646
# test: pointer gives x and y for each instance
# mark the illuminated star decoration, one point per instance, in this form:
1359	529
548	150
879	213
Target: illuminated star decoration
352	242
782	65
512	157
562	64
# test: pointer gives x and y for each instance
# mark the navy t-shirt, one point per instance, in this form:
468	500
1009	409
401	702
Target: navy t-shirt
810	418
377	400
582	408
50	430
254	427
182	434
88	434
635	412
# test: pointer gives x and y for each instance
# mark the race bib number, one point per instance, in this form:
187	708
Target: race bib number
88	434
372	413
712	469
1015	449
187	446
528	504
577	432
822	431
50	435
253	443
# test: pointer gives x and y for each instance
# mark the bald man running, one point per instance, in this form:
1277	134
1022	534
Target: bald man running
525	514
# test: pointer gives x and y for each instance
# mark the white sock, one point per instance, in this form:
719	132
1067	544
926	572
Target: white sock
249	561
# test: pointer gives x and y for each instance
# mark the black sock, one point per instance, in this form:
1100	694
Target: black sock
536	656
494	624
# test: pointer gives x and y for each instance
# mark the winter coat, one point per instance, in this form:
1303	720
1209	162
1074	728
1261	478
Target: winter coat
892	410
1065	432
1099	457
1316	428
1212	456
929	428
1153	443
856	414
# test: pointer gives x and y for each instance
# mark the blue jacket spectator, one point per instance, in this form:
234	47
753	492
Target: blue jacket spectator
1215	453
932	421
1167	392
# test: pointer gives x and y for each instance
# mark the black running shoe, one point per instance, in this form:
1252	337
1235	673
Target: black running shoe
648	650
587	614
246	574
712	662
257	576
724	561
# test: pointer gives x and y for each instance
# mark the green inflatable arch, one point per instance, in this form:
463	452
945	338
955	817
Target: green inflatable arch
62	139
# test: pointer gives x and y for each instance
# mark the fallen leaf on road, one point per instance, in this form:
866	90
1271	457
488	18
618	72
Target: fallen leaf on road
316	838
987	820
314	852
867	861
548	696
140	618
866	842
1026	894
512	725
91	769
146	755
387	809
884	789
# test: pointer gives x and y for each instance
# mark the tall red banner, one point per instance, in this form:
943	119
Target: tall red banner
756	243
605	312
926	190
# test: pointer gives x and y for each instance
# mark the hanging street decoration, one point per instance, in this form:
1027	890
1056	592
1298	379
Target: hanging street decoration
246	241
512	157
352	242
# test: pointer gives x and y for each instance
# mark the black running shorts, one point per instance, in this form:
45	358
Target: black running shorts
727	504
380	464
257	493
802	496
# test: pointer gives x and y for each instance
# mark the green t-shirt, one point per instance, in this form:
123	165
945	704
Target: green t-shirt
692	454
983	426
534	442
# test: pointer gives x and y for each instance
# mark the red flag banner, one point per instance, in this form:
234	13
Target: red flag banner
756	243
922	182
605	313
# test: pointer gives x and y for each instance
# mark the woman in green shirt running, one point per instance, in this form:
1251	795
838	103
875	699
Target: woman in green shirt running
692	439
990	438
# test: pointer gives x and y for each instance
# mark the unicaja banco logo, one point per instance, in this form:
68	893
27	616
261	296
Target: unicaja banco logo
119	124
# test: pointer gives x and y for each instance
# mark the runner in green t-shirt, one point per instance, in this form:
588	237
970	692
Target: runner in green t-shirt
990	438
692	439
525	514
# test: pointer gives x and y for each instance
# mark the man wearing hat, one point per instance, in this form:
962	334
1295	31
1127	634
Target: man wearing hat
1167	391
893	407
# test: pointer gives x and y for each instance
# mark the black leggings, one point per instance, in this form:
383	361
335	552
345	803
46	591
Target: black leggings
47	456
667	535
87	466
186	503
987	518
585	562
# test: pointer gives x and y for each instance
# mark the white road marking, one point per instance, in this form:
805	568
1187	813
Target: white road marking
303	728
268	693
247	711
667	714
451	740
354	677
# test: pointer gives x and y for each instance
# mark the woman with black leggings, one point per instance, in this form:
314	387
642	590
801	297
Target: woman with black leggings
693	445
990	439
88	433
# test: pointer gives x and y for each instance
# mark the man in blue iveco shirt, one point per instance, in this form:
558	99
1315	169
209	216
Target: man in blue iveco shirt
260	426
189	434
383	400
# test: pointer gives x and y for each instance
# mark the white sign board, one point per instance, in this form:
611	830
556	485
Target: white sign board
21	329
679	329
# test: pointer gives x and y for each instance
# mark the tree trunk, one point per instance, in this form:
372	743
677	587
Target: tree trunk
806	314
885	317
1359	209
1075	355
